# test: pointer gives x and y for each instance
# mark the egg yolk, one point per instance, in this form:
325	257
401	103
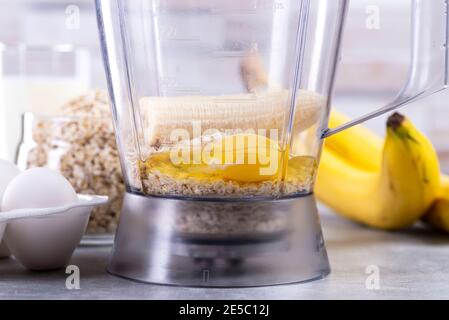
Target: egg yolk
244	158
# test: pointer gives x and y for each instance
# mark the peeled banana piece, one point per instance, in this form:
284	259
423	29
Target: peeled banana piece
261	108
264	110
393	197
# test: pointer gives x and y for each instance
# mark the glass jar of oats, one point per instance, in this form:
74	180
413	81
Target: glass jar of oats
80	144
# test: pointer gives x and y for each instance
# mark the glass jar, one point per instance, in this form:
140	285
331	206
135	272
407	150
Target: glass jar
83	149
35	78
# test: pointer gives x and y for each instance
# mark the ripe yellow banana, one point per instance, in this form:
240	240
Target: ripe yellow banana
362	148
358	145
394	196
438	215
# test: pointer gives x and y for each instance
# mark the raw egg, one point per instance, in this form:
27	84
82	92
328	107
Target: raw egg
38	188
43	243
246	158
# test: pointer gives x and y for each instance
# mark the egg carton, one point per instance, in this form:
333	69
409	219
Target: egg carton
45	238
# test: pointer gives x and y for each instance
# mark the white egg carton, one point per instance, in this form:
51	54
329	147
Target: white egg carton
84	201
45	238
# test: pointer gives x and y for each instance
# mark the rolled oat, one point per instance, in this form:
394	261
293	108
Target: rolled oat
81	145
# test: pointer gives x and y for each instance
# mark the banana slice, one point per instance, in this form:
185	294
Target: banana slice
230	113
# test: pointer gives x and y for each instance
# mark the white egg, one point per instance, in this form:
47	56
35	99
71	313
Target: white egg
38	188
43	243
7	172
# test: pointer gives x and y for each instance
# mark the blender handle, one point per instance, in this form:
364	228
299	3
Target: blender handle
428	72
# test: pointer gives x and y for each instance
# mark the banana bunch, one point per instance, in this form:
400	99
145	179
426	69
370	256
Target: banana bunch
384	184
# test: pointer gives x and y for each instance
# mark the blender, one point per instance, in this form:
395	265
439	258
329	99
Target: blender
220	108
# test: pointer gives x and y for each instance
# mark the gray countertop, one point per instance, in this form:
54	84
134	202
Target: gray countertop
410	264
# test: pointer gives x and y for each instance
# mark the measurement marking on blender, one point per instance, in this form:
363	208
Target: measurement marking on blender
257	7
228	54
185	90
183	39
230	11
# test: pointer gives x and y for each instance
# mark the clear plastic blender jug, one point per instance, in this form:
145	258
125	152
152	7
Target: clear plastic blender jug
220	108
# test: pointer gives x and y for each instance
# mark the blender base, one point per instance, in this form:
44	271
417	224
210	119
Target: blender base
154	243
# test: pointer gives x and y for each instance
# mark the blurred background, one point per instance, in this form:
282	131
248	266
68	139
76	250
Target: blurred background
54	44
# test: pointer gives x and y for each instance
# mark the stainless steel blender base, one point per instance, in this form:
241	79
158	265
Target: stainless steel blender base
219	243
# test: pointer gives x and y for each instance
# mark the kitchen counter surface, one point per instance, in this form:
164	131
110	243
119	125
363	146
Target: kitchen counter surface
411	264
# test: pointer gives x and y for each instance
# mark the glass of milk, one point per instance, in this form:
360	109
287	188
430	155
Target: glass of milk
37	79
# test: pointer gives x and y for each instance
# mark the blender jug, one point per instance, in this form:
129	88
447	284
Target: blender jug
220	108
